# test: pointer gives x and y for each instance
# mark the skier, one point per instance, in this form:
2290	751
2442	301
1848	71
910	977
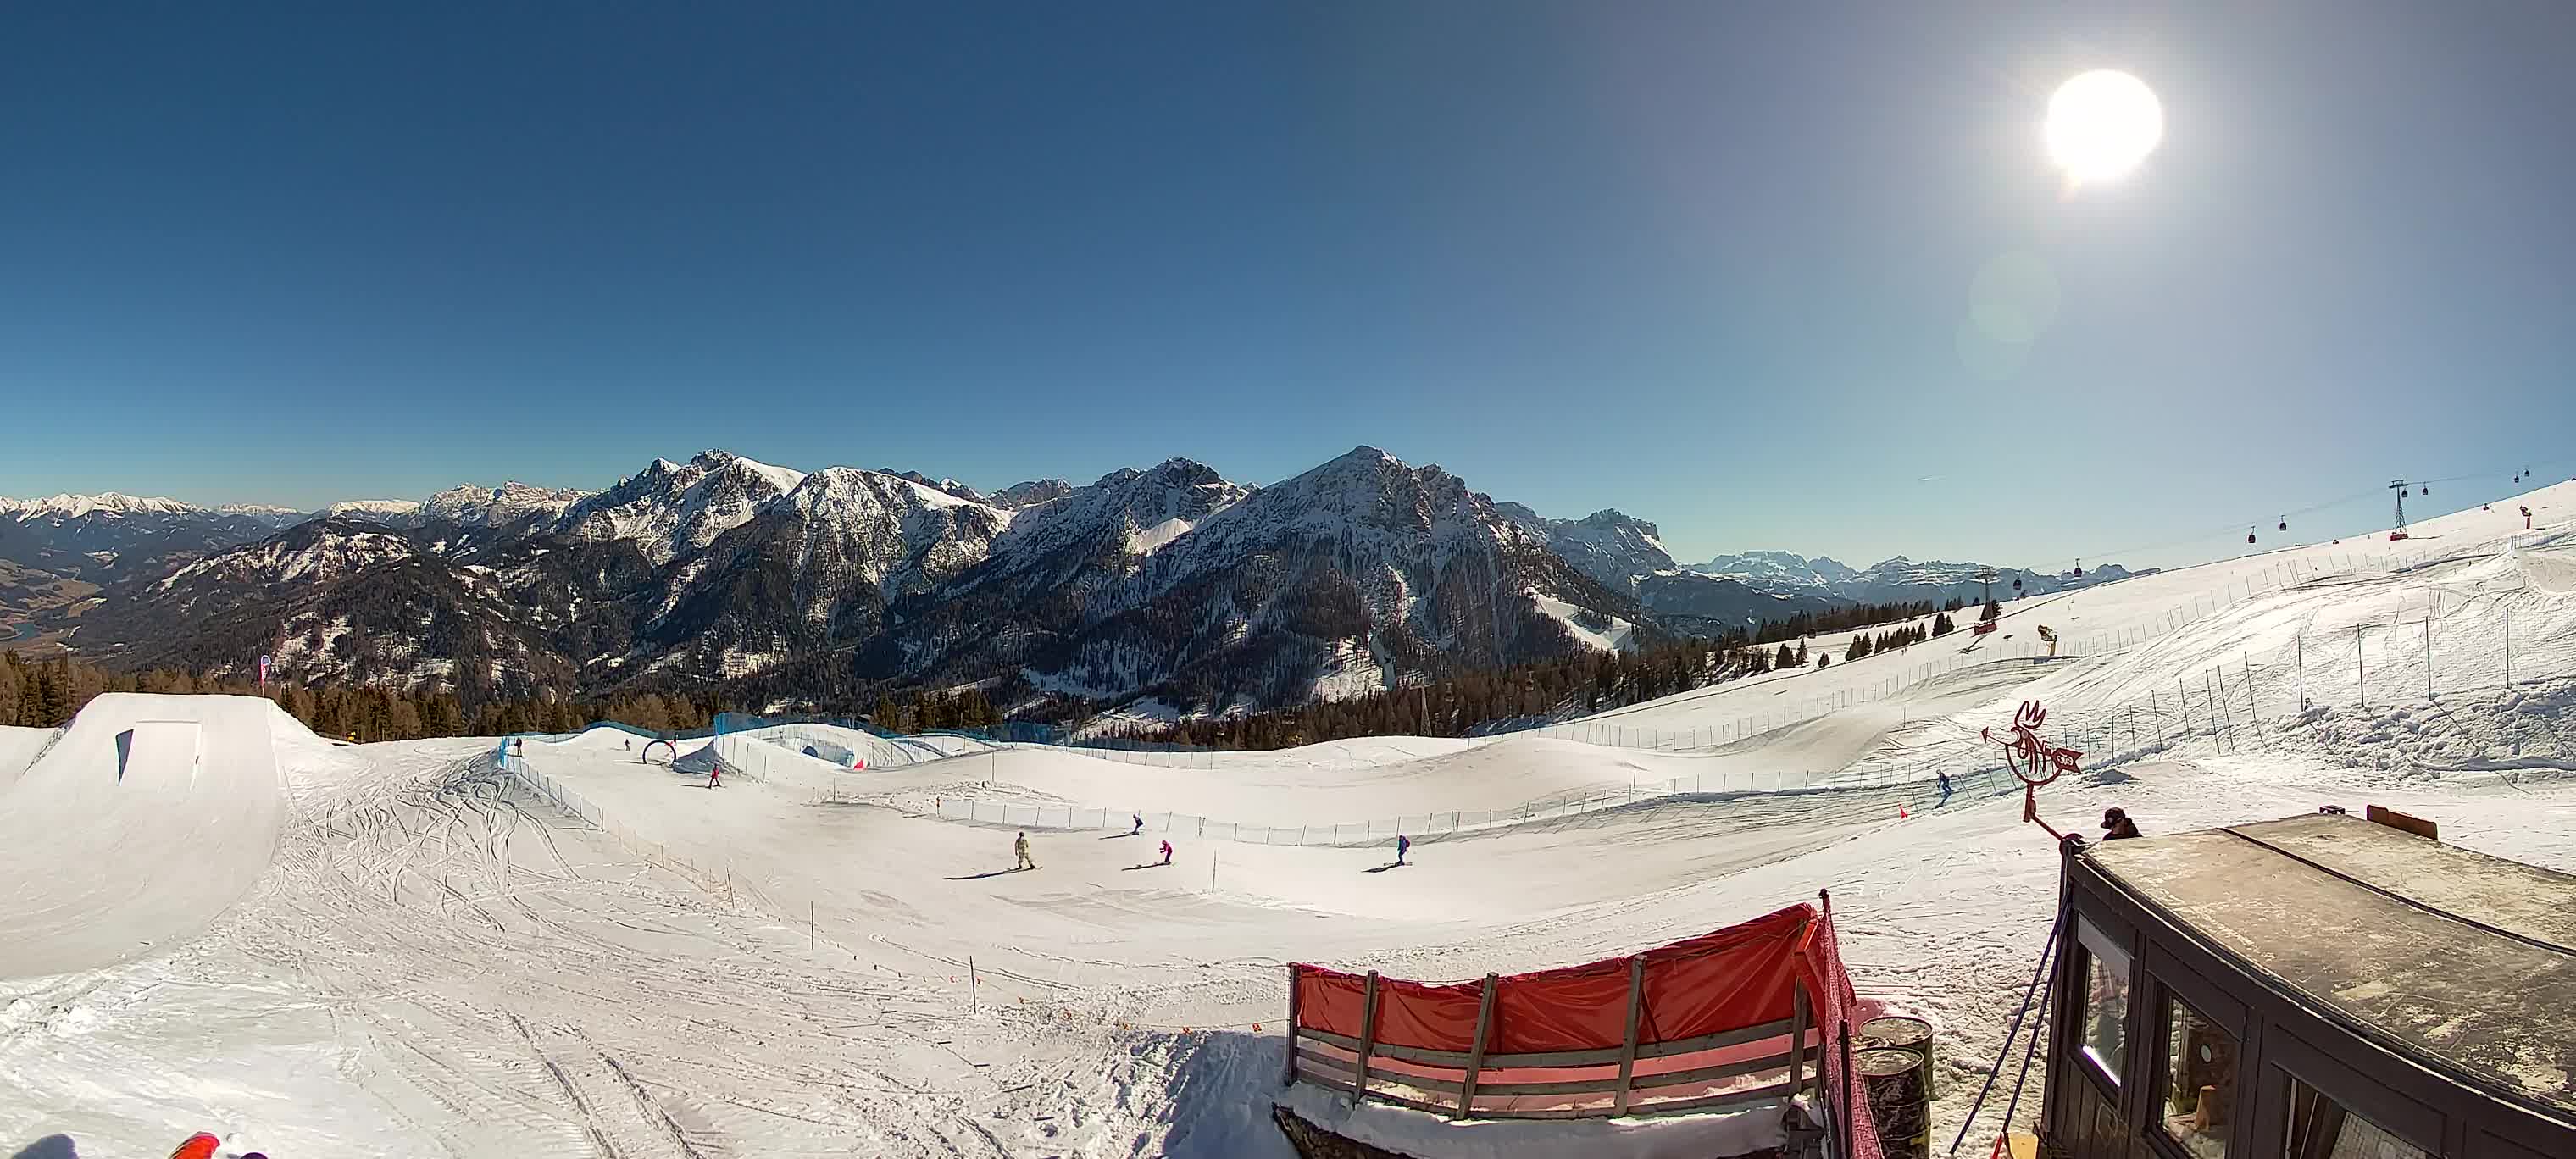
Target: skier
1021	848
1403	845
1139	819
2116	824
715	775
198	1146
1167	853
1944	778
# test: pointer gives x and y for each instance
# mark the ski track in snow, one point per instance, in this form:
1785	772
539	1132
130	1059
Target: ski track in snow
437	961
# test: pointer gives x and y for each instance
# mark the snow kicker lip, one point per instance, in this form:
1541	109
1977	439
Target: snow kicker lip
149	818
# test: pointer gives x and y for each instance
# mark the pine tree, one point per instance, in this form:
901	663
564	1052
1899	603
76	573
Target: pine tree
1941	625
1993	610
53	695
440	716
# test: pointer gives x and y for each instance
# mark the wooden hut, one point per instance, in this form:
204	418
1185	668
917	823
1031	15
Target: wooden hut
2317	987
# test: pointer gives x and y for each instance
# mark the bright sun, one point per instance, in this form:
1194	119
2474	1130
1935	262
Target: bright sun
2101	124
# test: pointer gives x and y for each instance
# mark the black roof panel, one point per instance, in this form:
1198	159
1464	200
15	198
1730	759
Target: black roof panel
2436	950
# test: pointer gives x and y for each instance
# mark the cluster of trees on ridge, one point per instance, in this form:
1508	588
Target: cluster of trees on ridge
1464	705
47	693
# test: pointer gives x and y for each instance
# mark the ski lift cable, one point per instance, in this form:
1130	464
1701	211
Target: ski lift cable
2285	517
2204	536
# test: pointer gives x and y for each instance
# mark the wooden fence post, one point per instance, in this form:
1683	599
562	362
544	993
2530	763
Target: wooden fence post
1291	1075
1797	1036
1628	1048
1368	1039
1849	1084
1476	1053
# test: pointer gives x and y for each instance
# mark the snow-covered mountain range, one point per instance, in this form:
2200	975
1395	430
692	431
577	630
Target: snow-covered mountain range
1893	580
1171	581
101	538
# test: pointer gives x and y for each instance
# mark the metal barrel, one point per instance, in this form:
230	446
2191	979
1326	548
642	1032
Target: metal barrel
1898	1032
1893	1081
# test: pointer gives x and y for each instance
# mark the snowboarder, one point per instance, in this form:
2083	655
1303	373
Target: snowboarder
2116	824
1020	847
1139	819
1403	845
715	775
1167	853
1944	778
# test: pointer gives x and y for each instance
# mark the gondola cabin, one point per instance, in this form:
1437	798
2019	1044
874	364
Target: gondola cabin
2318	987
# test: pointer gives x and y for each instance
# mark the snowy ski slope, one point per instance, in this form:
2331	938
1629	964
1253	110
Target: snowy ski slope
402	949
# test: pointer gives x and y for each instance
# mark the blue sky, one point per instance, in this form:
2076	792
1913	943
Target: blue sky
1708	263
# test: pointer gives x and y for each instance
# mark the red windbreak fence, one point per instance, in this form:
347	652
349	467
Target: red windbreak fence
1751	1014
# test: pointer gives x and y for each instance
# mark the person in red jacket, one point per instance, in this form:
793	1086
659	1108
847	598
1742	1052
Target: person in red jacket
715	775
198	1146
1167	853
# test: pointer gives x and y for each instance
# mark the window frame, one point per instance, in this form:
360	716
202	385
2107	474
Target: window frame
2286	1057
2171	980
2160	1073
2093	938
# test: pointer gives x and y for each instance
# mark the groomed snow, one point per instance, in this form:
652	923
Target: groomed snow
145	820
436	960
18	748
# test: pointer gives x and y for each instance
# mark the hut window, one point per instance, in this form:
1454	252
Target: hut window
2320	1128
2196	1084
2106	1000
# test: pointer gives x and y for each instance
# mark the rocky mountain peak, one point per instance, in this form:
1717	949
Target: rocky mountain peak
1030	494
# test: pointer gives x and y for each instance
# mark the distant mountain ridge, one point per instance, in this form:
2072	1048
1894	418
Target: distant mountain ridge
1362	574
1895	579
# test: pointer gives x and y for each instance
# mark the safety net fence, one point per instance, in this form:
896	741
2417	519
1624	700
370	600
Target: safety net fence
1753	1014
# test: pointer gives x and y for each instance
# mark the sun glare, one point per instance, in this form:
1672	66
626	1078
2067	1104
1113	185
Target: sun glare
2101	124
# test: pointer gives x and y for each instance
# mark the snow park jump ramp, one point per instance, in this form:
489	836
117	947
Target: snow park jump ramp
147	819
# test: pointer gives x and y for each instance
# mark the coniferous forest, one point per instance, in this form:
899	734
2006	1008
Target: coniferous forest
46	694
